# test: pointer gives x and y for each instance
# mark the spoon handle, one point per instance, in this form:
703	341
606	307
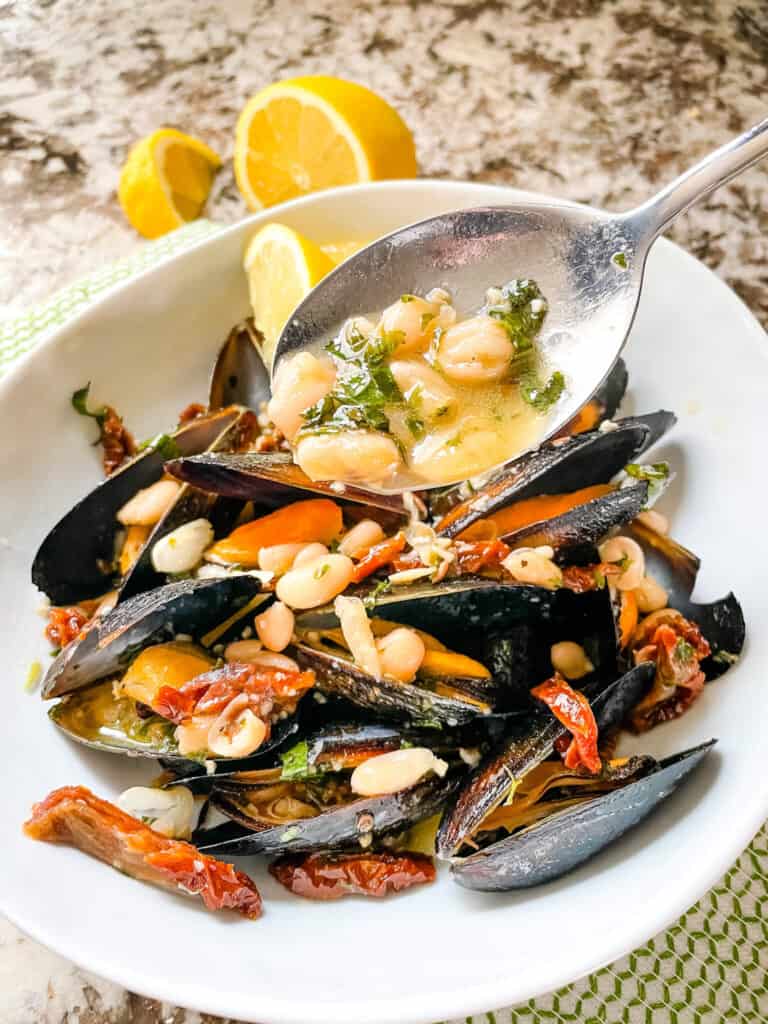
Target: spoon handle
650	219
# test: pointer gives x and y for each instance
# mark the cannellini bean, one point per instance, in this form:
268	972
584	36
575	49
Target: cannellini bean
315	583
394	771
351	455
570	660
182	549
275	626
401	653
475	351
171	812
243	650
357	631
149	505
309	553
424	388
439	295
534	566
278	558
192	736
655	520
411	318
362	536
237	732
271	659
650	595
624	550
299	382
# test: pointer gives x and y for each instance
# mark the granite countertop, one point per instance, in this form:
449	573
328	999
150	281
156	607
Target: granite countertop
594	100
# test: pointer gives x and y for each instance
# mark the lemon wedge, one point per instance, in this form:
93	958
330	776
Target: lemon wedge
165	181
315	132
282	266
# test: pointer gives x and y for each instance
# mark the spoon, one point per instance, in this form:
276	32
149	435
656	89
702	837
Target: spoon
588	263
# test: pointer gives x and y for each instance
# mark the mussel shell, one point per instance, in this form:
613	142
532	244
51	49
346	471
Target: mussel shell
75	560
528	743
676	568
271	479
190	607
585	524
239	375
561	466
385	697
341	827
568	838
611	392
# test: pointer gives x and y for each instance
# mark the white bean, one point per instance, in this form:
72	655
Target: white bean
352	455
271	659
627	552
362	536
299	382
534	566
171	812
475	351
424	388
357	631
182	549
412	319
650	596
278	558
316	583
149	505
309	553
275	626
237	732
401	653
395	771
243	650
570	660
655	520
192	736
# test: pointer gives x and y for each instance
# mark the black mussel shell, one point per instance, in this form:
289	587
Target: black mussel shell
344	826
189	607
611	392
239	375
529	741
676	568
567	838
271	479
75	561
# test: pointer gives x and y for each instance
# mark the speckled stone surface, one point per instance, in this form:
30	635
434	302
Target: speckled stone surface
594	100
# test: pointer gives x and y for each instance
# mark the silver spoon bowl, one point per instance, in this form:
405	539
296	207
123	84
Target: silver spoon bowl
588	263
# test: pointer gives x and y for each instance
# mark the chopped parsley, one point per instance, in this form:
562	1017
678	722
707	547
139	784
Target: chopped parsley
80	405
521	313
619	259
407	298
295	763
683	651
426	319
381	588
541	396
164	444
599	579
657	475
321	570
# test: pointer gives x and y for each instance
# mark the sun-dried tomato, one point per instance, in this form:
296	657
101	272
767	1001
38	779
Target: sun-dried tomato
208	694
677	647
379	555
74	815
65	625
473	556
117	442
191	412
329	876
572	709
245	432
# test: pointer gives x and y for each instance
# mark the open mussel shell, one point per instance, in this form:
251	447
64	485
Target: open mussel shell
75	561
559	467
567	838
271	479
676	568
355	823
188	607
239	375
191	504
95	718
527	744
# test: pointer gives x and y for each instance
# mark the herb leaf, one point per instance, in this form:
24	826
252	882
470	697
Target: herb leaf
164	444
381	588
521	312
541	396
295	762
80	404
653	473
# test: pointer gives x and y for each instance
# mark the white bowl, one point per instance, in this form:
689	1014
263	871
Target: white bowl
440	951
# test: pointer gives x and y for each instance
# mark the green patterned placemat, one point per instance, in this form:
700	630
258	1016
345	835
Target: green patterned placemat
709	968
